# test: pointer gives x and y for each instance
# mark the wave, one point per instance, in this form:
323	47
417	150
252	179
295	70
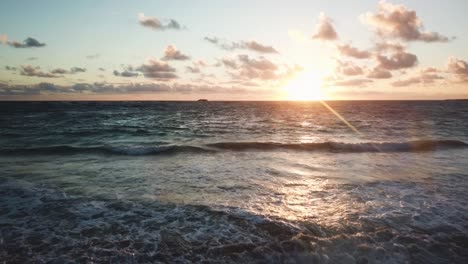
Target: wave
410	146
116	150
335	147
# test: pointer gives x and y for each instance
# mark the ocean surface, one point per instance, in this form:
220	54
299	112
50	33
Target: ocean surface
248	182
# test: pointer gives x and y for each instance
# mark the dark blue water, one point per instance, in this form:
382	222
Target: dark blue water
366	182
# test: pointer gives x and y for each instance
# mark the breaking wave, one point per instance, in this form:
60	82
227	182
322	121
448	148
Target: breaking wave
335	147
410	146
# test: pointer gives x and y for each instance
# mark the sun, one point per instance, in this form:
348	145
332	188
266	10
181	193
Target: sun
305	87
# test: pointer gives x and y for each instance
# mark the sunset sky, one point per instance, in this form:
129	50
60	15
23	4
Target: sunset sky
233	50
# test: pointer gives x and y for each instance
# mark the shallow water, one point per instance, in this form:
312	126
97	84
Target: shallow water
228	182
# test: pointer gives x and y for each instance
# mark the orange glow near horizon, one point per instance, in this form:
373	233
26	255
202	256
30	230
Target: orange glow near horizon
306	86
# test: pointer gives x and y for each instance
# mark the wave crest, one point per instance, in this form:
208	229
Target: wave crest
410	146
335	147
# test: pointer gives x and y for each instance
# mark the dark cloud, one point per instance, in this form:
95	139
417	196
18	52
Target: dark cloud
397	21
387	46
255	46
197	65
101	69
94	88
10	68
77	69
245	45
396	61
255	69
156	69
93	56
27	43
28	70
105	88
349	51
423	78
259	64
260	68
32	58
459	68
348	69
59	71
156	24
378	73
212	40
125	73
324	29
73	70
229	63
172	53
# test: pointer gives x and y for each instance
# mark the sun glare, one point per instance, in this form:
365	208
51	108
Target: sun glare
305	87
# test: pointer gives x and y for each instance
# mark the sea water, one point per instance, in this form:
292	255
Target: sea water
268	182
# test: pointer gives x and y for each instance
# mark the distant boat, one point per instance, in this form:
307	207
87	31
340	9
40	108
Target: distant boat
202	100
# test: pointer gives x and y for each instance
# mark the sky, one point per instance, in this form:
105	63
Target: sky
233	50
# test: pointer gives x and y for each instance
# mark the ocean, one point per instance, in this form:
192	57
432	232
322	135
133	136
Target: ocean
229	182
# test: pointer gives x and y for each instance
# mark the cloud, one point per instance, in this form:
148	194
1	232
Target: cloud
192	69
196	68
260	68
388	46
430	70
32	58
255	46
10	68
28	70
349	51
200	63
397	21
156	69
242	45
125	73
229	63
59	71
27	43
212	40
93	56
156	24
260	64
459	68
348	69
378	73
87	88
101	69
324	29
352	82
396	61
105	88
172	53
73	70
423	78
245	68
77	69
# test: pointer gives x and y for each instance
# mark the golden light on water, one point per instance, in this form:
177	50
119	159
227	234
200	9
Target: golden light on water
305	87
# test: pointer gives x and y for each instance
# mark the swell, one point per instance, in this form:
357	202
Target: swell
334	147
117	150
410	146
